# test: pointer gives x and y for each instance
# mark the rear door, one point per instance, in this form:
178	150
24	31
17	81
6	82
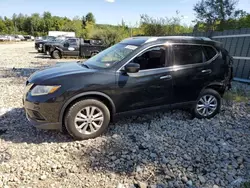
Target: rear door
192	71
151	86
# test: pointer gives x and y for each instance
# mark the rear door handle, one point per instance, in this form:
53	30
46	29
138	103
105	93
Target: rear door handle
167	77
207	71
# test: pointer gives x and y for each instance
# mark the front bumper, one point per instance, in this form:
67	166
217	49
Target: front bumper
42	112
44	125
38	48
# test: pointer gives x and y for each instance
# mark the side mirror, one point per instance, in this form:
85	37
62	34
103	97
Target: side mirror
132	68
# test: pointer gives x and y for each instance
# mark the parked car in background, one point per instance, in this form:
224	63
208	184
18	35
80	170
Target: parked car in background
16	38
3	38
137	75
19	38
11	38
29	38
40	38
57	41
76	47
40	42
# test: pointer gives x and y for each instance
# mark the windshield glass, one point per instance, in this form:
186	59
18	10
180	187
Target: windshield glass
111	55
50	38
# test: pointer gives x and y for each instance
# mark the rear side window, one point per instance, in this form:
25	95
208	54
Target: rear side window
209	52
187	54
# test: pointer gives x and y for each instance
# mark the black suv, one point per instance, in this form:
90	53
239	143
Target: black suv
136	75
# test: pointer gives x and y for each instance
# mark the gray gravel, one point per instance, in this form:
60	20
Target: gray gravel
156	150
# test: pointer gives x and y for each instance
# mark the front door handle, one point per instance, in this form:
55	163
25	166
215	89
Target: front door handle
207	71
168	77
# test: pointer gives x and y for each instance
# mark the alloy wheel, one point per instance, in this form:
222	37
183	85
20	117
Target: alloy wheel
207	105
89	120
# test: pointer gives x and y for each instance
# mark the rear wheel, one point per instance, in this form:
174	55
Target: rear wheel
208	104
87	119
56	54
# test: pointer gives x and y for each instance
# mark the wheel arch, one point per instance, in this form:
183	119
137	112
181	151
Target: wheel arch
57	48
94	51
217	86
95	95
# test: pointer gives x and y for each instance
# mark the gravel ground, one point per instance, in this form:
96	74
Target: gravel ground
161	149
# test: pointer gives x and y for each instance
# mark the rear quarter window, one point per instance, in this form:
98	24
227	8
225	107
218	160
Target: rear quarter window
209	52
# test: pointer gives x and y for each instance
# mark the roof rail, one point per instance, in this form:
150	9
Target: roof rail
206	39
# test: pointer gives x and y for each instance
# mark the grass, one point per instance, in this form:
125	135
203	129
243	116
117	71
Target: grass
238	95
235	97
245	184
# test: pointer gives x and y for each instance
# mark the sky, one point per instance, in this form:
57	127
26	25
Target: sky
108	11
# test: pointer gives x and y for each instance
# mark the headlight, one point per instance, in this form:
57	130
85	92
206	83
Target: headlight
40	45
43	90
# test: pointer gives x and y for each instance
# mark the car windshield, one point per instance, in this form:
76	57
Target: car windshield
50	38
58	40
110	56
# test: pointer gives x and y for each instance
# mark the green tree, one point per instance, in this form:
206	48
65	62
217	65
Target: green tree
211	11
83	21
35	23
3	27
90	18
9	25
162	26
47	21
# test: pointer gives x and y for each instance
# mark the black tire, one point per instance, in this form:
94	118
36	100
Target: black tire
56	54
69	119
94	53
208	92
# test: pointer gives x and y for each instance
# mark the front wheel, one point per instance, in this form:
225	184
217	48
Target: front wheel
94	53
56	54
208	104
87	119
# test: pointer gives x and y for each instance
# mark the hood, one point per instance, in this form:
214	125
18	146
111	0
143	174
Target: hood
63	69
41	42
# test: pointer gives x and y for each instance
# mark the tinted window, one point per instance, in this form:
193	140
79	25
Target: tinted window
152	58
187	54
72	41
209	52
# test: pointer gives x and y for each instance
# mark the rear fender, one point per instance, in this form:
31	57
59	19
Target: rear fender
220	87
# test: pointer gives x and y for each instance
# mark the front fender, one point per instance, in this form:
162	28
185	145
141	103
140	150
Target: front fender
85	94
58	48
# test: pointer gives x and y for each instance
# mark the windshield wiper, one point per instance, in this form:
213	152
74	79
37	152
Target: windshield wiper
84	65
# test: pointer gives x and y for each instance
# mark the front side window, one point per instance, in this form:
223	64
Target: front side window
111	55
187	54
152	58
72	41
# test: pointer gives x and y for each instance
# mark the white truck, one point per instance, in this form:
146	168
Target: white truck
61	33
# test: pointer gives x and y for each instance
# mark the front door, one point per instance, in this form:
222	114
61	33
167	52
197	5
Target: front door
151	86
71	47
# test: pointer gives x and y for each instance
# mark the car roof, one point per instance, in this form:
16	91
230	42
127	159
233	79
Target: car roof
159	39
